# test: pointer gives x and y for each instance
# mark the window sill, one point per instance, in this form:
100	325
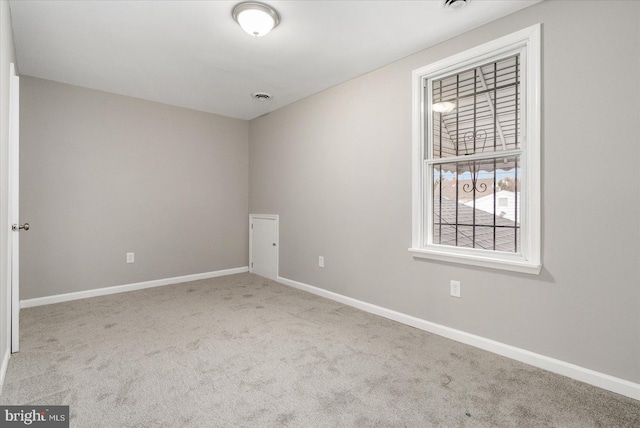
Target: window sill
513	265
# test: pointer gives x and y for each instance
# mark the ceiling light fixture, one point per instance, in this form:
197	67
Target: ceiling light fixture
455	4
255	18
443	107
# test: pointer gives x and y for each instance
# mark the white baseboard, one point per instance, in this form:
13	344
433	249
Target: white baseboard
58	298
3	368
601	380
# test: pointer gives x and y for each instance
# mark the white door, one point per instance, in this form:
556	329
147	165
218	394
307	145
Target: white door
14	204
263	245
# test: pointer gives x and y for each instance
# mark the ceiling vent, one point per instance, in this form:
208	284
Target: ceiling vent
455	4
262	96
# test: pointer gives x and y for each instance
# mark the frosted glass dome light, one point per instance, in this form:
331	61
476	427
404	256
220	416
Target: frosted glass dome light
257	19
443	107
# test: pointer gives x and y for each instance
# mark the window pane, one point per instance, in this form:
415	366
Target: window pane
477	111
476	204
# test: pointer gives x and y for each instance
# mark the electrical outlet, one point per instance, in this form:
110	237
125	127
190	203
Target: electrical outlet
455	288
321	261
130	257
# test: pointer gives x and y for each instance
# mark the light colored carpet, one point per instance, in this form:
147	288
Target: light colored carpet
245	351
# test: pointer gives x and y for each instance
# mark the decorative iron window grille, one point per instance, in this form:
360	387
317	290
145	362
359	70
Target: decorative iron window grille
474	156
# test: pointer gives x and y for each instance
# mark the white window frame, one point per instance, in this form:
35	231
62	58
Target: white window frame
527	43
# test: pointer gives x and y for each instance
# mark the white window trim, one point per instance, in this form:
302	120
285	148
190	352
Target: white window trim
529	260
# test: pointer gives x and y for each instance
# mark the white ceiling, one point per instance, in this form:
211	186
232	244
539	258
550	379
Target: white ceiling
193	54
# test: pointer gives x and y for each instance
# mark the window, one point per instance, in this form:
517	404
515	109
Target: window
476	182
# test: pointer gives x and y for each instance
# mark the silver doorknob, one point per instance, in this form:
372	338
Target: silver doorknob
17	228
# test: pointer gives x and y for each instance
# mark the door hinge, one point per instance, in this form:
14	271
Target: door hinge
251	264
251	225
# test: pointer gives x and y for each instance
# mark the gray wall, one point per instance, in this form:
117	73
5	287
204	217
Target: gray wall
337	168
7	56
103	175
